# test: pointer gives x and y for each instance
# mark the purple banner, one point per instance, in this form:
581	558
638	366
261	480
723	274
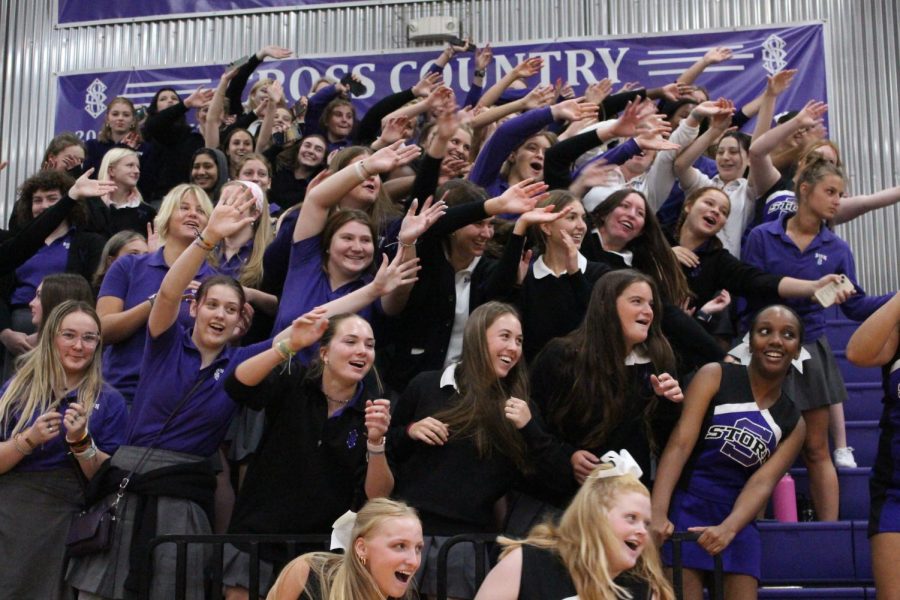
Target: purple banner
89	11
653	61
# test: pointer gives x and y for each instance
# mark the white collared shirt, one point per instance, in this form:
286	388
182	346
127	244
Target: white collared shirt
463	292
541	270
636	358
627	255
448	377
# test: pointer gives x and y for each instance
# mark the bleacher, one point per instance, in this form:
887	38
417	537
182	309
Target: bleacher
831	560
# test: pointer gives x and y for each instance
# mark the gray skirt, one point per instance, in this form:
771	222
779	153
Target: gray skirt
104	574
35	513
821	383
236	570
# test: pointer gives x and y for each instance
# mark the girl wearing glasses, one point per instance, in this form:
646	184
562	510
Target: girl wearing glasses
56	403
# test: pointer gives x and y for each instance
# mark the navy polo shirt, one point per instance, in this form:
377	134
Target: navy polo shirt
106	424
232	266
132	279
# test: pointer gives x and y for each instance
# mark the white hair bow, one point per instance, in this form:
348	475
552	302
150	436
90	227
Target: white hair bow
341	531
622	464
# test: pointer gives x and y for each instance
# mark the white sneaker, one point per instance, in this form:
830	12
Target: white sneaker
843	457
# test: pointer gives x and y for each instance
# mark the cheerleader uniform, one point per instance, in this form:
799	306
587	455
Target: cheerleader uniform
884	486
736	439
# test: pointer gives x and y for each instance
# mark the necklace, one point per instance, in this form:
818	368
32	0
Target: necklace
330	399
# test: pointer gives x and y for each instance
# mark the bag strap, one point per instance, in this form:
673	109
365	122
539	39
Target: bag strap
127	479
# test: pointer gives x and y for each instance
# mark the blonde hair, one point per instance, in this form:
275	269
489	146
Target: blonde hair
171	200
111	159
251	273
344	576
105	133
583	537
40	380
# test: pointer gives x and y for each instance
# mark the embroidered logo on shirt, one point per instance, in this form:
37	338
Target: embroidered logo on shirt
218	374
66	244
352	438
821	258
746	442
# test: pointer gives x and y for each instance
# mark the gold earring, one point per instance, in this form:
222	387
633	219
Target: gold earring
362	559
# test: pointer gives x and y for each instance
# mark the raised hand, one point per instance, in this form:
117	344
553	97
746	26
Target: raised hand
574	110
652	135
276	52
564	90
390	157
528	67
392	275
716	55
542	214
667	386
414	225
441	99
520	198
393	129
597	174
85	187
276	93
483	57
635	113
231	214
153	241
812	114
777	83
542	95
427	84
307	329
722	120
199	97
597	92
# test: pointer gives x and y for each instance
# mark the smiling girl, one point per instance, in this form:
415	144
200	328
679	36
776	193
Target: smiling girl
463	437
802	245
124	208
386	550
602	534
709	483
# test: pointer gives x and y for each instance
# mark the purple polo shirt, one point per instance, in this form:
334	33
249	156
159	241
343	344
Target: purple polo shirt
106	423
306	285
232	267
169	369
133	279
769	248
52	258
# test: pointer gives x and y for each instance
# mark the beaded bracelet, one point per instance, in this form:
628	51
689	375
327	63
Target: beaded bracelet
87	454
203	243
21	450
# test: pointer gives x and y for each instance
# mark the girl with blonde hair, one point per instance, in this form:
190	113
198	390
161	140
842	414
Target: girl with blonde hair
603	533
386	549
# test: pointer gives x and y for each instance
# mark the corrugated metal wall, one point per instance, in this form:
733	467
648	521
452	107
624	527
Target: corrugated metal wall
863	52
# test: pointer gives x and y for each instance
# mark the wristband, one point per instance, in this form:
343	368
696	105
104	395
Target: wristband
402	245
284	350
376	448
200	241
479	72
703	317
21	450
88	454
80	440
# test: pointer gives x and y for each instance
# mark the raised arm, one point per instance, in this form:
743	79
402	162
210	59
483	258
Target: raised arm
216	113
525	69
874	343
855	206
713	56
687	175
230	215
327	194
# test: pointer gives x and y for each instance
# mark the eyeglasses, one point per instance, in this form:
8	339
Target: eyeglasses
71	338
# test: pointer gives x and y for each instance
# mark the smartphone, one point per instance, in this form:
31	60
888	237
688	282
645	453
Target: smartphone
827	294
140	113
356	88
462	45
238	62
299	109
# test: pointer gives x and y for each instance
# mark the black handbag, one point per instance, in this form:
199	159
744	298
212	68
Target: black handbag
92	530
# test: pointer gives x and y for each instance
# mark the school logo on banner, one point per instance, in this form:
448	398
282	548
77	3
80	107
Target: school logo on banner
774	54
95	98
